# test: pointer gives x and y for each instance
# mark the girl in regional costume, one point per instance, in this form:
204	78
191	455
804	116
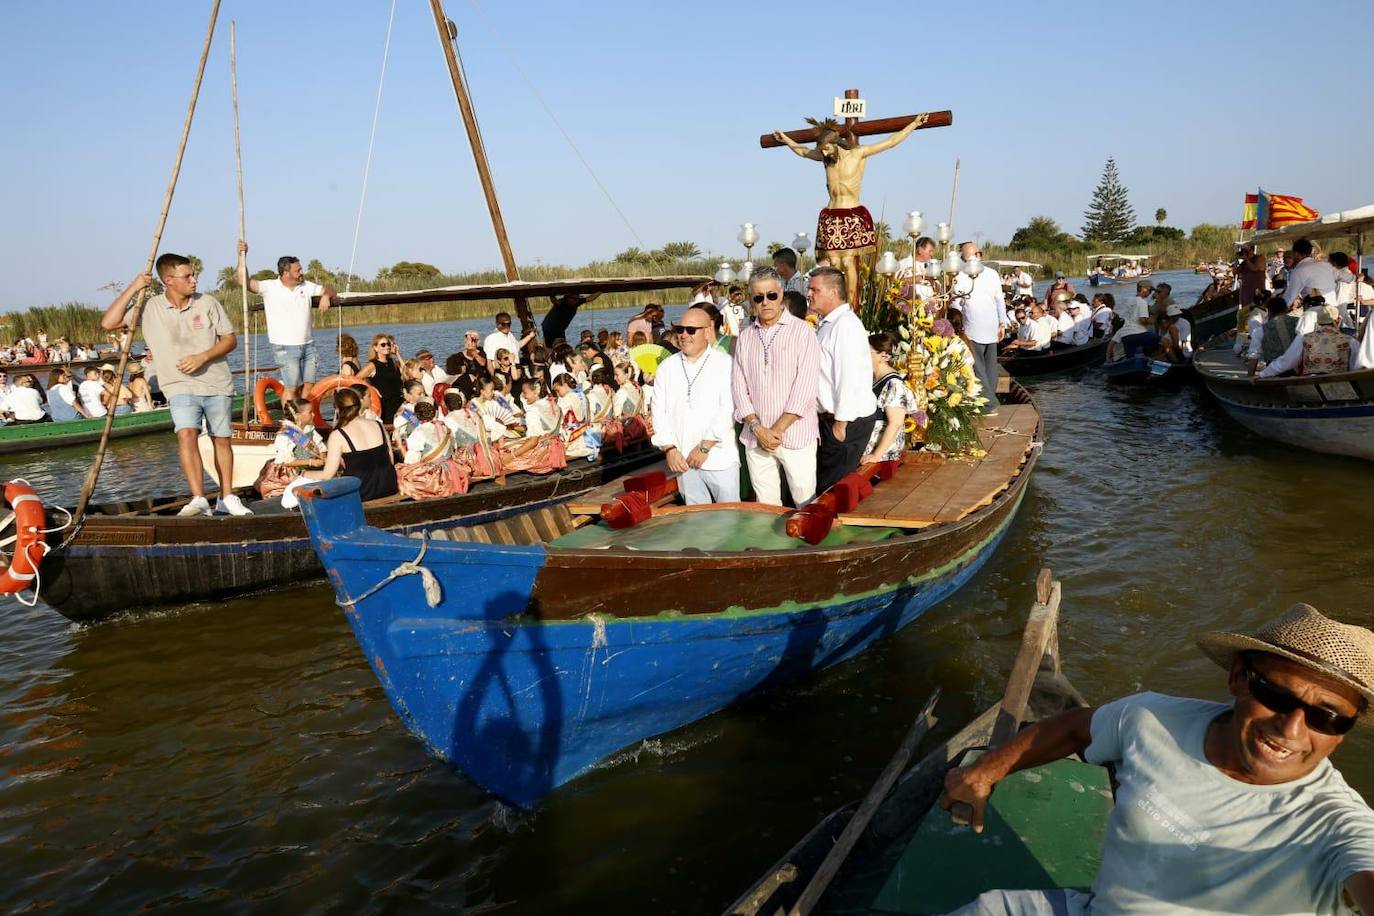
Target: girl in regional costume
429	470
297	446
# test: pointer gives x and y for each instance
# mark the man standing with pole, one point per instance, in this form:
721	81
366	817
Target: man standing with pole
286	300
190	336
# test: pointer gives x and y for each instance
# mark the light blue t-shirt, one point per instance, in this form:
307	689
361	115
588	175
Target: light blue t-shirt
1184	837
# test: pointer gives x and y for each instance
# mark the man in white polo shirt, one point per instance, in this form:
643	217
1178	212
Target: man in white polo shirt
503	339
985	309
287	303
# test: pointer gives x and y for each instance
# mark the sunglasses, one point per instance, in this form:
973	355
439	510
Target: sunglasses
1272	696
773	296
382	346
687	329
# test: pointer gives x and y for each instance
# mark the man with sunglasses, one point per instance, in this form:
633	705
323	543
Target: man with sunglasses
503	339
692	414
1220	808
776	373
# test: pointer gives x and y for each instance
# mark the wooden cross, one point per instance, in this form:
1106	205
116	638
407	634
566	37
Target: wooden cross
858	128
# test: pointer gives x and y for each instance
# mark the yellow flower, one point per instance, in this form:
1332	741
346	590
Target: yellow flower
955	398
966	371
951	379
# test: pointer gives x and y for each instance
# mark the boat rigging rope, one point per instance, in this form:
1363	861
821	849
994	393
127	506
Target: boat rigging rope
433	593
367	171
515	62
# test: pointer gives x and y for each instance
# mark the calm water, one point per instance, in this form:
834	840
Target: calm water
242	755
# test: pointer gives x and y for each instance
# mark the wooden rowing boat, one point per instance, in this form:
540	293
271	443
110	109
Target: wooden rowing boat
897	851
527	660
31	437
139	555
1322	413
1143	370
1024	363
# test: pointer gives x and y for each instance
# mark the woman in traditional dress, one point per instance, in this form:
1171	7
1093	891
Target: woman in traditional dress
895	400
429	470
404	421
297	446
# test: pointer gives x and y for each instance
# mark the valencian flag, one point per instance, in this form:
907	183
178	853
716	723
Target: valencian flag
1274	211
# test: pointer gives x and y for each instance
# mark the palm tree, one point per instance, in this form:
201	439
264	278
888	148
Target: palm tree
1161	215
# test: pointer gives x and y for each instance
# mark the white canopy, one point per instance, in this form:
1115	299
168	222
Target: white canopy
998	263
1332	225
1119	257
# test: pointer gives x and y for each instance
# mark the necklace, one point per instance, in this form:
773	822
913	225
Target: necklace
767	342
692	379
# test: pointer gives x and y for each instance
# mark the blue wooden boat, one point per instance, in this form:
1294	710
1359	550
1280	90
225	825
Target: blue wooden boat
527	655
1142	370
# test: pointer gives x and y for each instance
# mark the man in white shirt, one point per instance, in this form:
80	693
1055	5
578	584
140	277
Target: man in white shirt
90	391
1035	329
1220	807
1023	284
693	414
503	339
430	374
1345	287
984	309
846	407
286	300
1103	316
1309	273
785	263
1063	333
1082	330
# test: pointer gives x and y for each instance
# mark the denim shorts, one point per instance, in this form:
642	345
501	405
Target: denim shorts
188	409
298	363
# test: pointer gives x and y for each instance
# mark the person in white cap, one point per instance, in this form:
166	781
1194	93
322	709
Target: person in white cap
1220	808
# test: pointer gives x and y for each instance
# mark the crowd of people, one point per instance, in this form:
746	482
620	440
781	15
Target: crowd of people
39	350
27	398
1302	311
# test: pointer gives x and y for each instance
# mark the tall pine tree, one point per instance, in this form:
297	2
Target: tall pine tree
1110	217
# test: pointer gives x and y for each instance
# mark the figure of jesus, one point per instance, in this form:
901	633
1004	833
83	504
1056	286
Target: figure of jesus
845	232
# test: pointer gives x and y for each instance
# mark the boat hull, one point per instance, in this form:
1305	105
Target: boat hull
1332	414
135	561
31	437
1052	361
1141	370
546	662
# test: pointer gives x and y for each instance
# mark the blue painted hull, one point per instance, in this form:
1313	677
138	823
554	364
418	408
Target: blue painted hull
1141	370
524	704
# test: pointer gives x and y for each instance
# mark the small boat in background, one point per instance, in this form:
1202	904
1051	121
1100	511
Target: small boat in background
897	851
1128	269
1025	363
528	653
1144	370
32	437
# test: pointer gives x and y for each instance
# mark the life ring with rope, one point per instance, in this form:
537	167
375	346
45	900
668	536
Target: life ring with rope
29	521
260	397
332	383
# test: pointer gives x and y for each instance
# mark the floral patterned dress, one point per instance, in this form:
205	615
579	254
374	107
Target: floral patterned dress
891	391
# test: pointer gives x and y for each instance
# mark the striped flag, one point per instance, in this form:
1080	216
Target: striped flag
1250	215
1278	210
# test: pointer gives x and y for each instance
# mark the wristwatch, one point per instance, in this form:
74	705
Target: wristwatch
754	424
703	449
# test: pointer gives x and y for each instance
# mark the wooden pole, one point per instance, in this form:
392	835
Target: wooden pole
865	128
93	474
953	201
830	866
447	37
248	379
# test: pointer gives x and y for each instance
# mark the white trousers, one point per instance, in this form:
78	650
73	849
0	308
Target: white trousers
799	464
700	486
1056	902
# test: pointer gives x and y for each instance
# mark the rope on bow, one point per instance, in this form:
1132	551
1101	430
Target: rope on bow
433	593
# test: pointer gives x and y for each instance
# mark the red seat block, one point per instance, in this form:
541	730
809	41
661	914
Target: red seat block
626	510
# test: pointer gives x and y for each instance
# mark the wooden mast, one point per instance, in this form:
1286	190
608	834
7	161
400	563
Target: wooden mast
448	34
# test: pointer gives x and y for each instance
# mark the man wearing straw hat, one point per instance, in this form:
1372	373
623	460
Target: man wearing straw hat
1219	808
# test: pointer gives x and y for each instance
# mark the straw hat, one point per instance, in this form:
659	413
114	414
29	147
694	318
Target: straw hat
1173	311
107	368
1303	635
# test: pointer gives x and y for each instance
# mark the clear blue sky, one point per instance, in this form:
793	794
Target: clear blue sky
665	100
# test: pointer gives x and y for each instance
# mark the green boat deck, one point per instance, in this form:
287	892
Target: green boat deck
1043	829
715	530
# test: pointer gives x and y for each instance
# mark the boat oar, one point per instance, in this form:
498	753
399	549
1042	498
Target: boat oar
93	474
867	808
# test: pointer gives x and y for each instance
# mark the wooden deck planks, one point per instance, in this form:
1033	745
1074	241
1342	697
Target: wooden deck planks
925	494
589	503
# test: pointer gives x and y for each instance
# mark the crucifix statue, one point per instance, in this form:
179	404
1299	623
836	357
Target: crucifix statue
845	232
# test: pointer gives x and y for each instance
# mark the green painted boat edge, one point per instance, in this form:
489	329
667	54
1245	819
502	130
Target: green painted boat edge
29	437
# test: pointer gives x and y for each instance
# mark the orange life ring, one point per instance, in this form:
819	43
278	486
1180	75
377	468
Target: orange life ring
331	383
29	519
260	397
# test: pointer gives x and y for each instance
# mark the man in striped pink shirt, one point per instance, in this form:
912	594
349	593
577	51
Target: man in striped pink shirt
776	375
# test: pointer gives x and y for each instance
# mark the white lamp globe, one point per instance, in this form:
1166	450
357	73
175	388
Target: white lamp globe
913	224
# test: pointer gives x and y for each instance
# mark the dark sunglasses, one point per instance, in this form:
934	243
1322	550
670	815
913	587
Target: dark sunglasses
686	329
773	296
1272	696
